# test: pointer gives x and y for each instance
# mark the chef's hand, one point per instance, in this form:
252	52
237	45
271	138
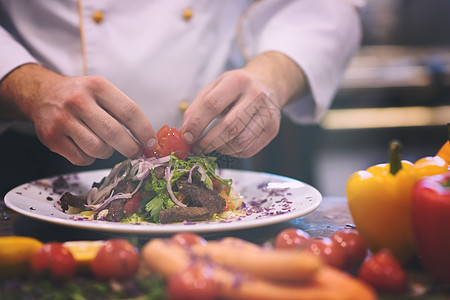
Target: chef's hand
81	118
249	100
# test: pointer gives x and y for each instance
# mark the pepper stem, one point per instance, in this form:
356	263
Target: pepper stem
395	157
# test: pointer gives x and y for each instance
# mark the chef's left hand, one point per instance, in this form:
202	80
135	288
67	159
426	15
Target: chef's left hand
249	101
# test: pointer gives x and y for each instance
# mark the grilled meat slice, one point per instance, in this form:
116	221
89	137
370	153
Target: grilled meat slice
180	214
68	199
159	172
203	204
200	196
116	211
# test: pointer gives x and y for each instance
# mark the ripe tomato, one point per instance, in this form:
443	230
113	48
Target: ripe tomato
217	185
116	259
194	283
133	204
187	239
328	251
55	259
384	273
169	140
291	238
352	245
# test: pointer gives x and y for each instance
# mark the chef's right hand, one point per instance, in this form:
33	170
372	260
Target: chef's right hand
81	118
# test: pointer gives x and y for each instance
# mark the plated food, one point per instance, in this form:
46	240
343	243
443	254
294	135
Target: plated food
163	186
158	190
268	199
165	193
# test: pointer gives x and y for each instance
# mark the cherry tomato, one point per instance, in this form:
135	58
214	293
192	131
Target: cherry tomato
116	259
291	238
384	273
55	259
194	283
169	140
133	204
352	245
328	251
217	185
187	239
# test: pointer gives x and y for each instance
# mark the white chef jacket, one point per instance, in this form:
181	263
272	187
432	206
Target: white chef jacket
161	53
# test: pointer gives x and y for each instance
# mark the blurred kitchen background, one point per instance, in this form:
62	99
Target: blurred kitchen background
397	87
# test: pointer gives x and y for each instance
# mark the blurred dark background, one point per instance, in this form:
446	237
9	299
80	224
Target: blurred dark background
397	87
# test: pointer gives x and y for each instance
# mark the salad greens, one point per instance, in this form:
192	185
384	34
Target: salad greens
176	169
150	287
155	192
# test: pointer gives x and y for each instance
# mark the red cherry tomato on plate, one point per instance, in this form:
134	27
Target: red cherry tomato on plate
384	273
194	283
328	251
291	238
55	259
187	239
169	140
133	204
116	259
352	245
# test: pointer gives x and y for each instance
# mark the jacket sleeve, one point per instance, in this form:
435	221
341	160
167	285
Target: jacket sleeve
321	36
13	54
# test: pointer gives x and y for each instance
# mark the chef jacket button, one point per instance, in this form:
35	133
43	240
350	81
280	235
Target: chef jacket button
188	14
97	17
183	106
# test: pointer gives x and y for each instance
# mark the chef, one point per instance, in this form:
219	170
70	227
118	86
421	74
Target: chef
94	77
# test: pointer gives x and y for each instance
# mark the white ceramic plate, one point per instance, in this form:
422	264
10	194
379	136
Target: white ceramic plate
269	199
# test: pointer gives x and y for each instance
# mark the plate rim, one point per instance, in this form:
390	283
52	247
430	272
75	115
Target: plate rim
167	228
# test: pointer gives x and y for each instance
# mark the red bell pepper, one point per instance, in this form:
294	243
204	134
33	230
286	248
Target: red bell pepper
431	223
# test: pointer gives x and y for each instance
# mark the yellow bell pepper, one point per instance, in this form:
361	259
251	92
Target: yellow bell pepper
16	253
444	152
379	200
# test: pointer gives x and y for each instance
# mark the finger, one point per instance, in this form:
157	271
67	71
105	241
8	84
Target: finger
244	122
207	106
130	115
251	140
110	131
67	148
87	140
262	129
245	140
230	126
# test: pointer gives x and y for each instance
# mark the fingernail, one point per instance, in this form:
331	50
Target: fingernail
188	137
151	143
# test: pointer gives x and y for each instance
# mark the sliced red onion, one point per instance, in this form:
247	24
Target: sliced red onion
168	176
117	196
111	199
104	190
143	171
135	164
141	167
167	173
190	173
203	173
143	175
101	194
124	166
91	194
160	160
